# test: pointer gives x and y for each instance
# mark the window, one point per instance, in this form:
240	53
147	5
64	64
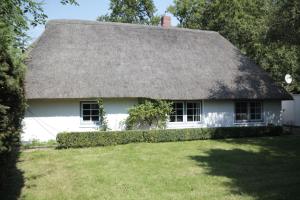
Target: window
90	112
186	112
177	112
248	111
193	112
255	111
241	111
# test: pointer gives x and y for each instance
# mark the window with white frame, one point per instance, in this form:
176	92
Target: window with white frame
248	111
89	112
177	112
193	111
186	112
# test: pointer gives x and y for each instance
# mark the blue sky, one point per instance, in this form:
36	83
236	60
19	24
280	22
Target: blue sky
87	9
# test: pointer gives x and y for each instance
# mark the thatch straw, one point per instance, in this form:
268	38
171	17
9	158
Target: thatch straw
85	59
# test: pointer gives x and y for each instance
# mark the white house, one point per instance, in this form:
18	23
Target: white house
75	62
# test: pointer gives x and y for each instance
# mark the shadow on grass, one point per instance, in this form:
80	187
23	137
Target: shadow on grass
12	179
271	172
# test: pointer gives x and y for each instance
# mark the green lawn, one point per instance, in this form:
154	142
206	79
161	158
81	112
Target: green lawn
257	168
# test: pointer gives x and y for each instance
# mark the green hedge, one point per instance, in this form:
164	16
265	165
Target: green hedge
92	139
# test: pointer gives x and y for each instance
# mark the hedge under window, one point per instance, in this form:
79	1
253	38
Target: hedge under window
90	111
248	111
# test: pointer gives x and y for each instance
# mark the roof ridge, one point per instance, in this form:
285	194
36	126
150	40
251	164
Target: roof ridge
90	22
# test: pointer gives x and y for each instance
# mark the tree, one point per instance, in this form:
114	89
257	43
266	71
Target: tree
15	18
285	24
256	27
131	11
188	12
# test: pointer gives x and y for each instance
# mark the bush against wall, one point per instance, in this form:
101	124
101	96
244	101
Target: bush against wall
150	114
92	139
102	116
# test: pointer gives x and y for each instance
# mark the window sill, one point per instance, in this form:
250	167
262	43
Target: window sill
249	122
89	125
197	122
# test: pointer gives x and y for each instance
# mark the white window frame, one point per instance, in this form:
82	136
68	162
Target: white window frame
249	120
185	121
85	122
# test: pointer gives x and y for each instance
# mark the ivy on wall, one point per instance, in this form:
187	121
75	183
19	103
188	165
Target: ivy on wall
102	116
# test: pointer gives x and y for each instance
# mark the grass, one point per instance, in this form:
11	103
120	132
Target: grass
256	168
39	144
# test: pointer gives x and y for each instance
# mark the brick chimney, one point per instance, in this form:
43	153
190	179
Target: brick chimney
165	21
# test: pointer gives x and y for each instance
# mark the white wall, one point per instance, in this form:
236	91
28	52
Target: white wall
221	114
45	118
291	111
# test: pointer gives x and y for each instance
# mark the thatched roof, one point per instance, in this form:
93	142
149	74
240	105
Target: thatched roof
86	59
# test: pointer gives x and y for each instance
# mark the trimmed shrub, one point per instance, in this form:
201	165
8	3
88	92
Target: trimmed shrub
92	139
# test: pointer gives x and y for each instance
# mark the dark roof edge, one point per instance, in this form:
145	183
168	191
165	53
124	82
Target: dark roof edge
207	99
142	26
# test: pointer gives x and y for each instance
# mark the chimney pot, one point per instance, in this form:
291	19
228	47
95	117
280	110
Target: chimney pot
166	21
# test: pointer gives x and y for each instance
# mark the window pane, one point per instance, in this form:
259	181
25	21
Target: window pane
95	112
172	118
190	112
255	110
179	112
241	116
86	112
86	118
190	118
179	105
90	111
193	111
190	105
86	106
95	118
94	106
180	118
241	112
258	116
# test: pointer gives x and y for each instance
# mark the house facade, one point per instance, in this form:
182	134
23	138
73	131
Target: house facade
210	82
291	111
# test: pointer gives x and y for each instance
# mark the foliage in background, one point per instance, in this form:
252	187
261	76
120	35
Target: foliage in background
131	11
266	31
149	114
16	16
102	116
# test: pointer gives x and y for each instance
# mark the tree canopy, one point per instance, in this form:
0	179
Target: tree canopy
16	16
131	11
266	31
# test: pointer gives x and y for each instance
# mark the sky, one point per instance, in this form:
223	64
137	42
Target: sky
87	10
